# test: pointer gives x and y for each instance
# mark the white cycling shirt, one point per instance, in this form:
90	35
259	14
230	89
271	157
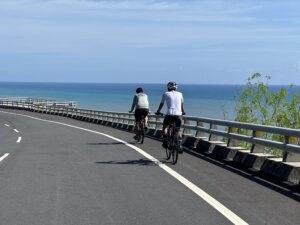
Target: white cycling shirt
174	99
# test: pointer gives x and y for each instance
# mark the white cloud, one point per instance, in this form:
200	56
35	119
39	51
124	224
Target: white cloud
159	10
96	4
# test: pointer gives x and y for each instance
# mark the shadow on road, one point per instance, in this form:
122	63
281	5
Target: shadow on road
140	162
112	143
107	143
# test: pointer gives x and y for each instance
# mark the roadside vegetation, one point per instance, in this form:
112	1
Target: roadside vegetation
257	104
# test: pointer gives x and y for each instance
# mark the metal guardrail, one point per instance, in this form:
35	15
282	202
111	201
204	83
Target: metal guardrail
212	130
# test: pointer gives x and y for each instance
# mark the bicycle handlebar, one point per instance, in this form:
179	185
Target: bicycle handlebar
161	114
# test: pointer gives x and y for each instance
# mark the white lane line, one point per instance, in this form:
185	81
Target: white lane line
19	139
235	219
4	156
16	130
6	125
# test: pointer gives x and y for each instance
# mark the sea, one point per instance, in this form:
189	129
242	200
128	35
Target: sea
200	100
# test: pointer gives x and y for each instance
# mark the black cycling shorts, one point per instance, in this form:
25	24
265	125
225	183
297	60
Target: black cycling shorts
139	113
169	119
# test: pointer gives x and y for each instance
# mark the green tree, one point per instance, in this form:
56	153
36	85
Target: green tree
257	104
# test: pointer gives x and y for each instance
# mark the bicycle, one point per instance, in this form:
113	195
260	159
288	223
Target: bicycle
140	133
173	145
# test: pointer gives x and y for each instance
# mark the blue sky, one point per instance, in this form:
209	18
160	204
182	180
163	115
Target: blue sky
147	41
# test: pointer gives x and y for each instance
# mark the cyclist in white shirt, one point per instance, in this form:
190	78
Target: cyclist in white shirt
175	109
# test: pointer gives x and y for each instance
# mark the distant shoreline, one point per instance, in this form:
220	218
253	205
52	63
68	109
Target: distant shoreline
116	83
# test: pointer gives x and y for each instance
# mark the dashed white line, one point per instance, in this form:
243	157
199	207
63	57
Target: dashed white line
19	139
231	216
4	156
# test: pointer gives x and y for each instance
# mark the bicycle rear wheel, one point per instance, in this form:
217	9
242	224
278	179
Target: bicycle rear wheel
138	133
168	152
169	147
142	132
138	137
175	151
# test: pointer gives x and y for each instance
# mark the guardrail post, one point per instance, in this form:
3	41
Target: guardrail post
121	121
290	156
186	131
232	142
96	117
212	137
255	148
200	134
99	117
158	127
150	122
114	120
131	122
68	111
91	116
65	111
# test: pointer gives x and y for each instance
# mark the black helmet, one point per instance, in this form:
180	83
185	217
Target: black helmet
172	85
139	90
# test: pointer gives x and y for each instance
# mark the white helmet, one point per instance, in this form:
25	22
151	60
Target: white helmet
172	85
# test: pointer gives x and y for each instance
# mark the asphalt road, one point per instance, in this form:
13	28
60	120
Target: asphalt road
56	170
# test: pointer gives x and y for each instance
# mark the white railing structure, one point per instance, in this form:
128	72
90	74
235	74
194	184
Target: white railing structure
228	133
29	103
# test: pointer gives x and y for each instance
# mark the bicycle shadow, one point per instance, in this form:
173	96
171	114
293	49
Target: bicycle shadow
111	143
140	162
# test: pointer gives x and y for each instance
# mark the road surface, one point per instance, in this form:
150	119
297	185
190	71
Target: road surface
60	171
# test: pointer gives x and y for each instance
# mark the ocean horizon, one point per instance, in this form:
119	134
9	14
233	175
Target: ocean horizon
215	101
